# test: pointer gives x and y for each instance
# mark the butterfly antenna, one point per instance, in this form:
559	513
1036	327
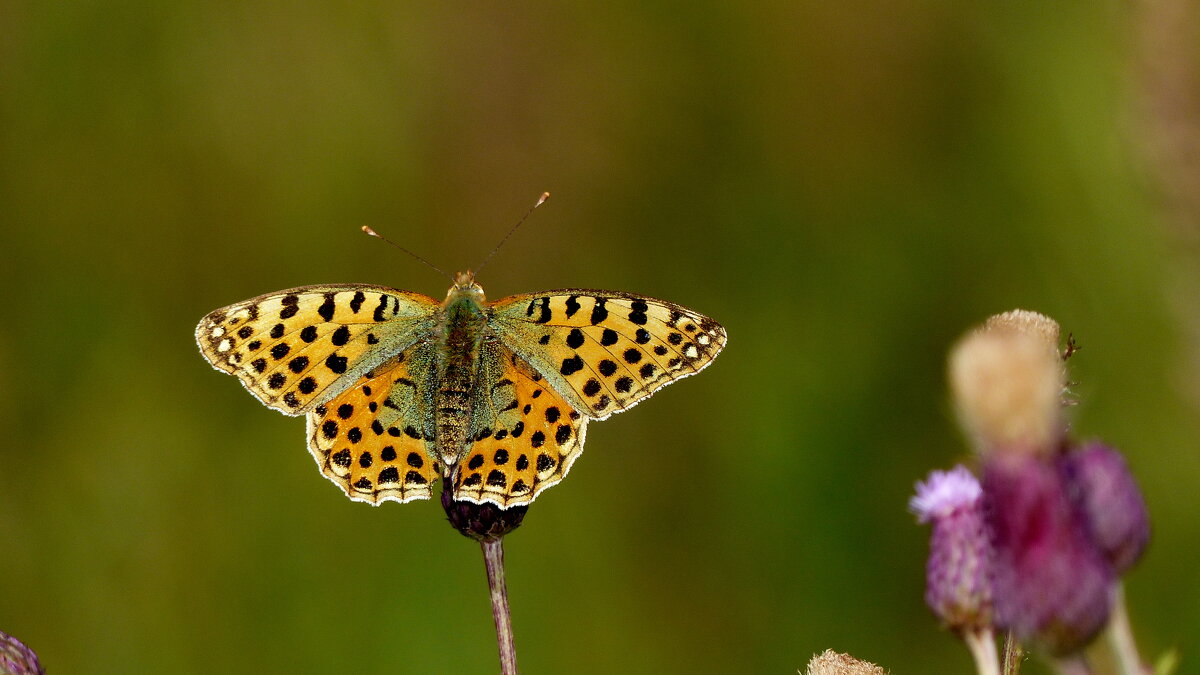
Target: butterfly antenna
541	200
375	234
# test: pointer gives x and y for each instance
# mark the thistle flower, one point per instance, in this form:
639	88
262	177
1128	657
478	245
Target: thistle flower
959	572
481	522
1052	583
16	658
1051	580
1107	494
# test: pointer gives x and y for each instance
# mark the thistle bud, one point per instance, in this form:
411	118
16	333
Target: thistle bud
958	579
16	658
1108	496
1008	379
481	522
1052	583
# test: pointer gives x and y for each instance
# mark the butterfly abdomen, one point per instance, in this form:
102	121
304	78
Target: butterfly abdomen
463	327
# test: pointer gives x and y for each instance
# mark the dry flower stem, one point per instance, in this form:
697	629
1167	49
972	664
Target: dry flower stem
493	557
982	644
1013	655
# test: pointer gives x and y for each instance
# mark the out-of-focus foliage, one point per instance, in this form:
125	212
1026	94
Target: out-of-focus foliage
845	186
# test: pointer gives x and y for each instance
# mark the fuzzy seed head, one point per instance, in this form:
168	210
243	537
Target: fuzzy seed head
1025	321
1007	382
833	663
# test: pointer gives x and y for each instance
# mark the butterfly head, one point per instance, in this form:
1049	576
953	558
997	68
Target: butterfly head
464	285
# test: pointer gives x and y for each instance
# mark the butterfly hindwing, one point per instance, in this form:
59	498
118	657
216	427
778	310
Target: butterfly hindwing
605	351
297	348
371	439
525	435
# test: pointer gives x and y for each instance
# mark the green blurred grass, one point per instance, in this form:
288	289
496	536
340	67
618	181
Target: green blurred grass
846	188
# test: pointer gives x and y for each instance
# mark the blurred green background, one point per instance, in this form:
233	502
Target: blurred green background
846	186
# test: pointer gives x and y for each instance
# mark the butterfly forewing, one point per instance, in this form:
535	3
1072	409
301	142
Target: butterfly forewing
525	436
297	348
605	351
371	440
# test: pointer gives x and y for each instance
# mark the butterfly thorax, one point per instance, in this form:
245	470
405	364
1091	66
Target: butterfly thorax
462	330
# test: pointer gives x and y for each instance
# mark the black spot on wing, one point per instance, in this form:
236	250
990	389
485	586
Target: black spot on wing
542	307
378	316
571	365
336	363
599	311
327	307
638	313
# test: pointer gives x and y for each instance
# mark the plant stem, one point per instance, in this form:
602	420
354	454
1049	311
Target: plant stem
982	644
1120	635
493	558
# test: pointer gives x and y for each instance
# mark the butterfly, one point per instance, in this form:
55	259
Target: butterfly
494	398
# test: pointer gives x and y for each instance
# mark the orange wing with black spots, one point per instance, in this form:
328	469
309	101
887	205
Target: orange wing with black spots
526	435
606	351
371	440
298	348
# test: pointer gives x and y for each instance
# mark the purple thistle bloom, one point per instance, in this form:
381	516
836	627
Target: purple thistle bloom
1052	582
481	522
958	581
16	658
1107	494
